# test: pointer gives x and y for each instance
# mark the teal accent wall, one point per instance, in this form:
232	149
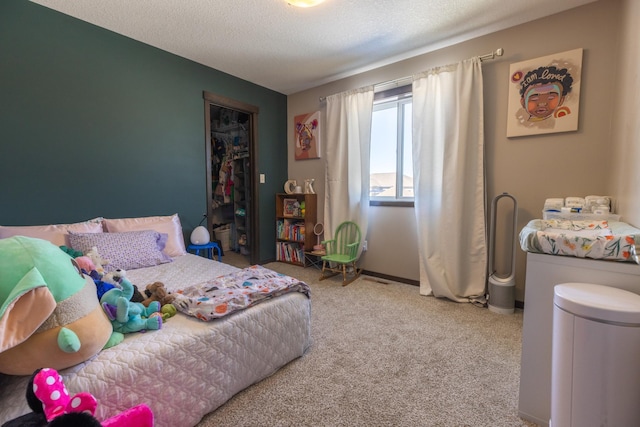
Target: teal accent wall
93	123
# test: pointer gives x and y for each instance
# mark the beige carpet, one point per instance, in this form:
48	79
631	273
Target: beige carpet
382	355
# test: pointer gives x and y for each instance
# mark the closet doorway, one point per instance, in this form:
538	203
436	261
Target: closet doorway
231	154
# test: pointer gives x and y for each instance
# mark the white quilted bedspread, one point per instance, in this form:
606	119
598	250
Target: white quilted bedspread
189	367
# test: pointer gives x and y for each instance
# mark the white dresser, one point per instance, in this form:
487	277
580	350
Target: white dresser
543	273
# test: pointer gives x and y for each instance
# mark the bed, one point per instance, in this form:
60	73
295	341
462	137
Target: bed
190	367
596	239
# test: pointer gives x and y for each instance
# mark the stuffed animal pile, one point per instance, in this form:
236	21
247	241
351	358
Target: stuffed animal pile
127	308
58	311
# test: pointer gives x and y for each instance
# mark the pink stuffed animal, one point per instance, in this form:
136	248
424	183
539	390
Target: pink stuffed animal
57	404
85	263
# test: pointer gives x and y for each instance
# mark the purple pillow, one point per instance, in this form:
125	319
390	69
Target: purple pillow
128	250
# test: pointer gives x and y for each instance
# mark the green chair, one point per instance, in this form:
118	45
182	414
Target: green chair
342	253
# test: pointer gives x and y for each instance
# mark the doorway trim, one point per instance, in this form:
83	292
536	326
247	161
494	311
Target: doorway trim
222	101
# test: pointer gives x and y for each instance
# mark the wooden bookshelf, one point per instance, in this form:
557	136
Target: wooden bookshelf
296	215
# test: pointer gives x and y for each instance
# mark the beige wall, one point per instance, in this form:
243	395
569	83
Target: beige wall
626	124
530	168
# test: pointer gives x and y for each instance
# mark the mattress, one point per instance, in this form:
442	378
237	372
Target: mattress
189	367
596	239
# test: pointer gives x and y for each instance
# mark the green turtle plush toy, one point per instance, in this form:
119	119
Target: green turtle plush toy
49	312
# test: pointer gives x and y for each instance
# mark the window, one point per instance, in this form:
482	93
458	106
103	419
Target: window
391	161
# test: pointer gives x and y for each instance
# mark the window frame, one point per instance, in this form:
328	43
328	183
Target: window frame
400	96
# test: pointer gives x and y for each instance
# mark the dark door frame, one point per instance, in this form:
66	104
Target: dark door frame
222	101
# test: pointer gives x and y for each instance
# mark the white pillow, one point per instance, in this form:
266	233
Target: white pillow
169	225
58	234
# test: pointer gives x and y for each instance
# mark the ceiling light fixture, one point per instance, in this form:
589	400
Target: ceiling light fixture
304	3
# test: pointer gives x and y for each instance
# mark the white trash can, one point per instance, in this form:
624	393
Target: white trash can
595	368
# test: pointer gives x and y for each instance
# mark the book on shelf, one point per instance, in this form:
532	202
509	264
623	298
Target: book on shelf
290	252
291	230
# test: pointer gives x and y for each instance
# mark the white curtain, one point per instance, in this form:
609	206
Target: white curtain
348	142
449	183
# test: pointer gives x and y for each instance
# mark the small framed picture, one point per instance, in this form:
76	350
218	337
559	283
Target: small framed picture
291	208
307	136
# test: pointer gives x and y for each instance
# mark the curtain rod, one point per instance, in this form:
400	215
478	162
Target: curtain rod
408	79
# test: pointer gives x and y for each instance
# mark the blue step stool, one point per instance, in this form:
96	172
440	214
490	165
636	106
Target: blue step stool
208	248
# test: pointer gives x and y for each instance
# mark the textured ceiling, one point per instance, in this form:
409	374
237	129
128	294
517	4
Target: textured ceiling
289	49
